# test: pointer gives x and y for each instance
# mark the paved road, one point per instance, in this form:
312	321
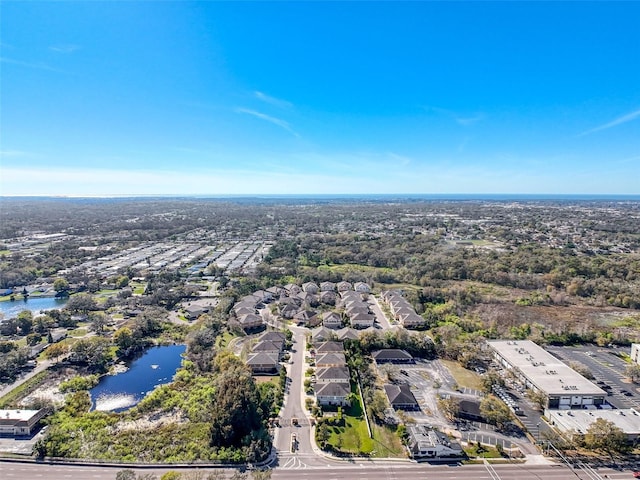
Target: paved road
377	311
293	407
42	365
352	471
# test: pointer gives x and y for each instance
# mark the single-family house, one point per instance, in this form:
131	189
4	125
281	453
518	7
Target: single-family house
193	312
292	289
305	317
329	347
401	397
362	287
333	394
331	320
344	286
362	320
327	287
321	334
333	374
347	333
262	362
250	321
392	355
276	337
266	346
308	299
334	359
310	287
327	297
288	310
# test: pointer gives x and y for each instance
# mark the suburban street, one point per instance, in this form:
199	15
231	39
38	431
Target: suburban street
293	405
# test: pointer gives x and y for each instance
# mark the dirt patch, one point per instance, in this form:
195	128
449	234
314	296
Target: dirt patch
151	421
49	390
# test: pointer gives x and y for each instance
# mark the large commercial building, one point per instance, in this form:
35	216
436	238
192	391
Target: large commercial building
19	422
540	371
577	422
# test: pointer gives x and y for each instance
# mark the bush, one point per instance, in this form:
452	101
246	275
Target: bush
79	383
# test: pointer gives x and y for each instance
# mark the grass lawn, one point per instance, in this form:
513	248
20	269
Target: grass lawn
223	340
464	377
106	293
353	437
137	287
482	452
275	379
78	332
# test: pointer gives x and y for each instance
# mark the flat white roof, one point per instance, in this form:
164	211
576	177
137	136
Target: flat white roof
544	370
17	414
628	420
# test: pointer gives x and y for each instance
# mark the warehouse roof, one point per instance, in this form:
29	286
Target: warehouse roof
544	370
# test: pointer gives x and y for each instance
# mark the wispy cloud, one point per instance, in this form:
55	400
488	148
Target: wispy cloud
614	123
64	48
277	102
15	154
268	118
461	119
36	65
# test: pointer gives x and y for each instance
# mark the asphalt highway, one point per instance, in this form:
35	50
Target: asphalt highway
351	471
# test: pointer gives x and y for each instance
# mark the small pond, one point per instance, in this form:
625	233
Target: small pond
35	304
157	366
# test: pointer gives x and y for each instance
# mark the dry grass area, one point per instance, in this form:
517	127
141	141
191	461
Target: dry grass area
557	318
151	421
464	378
267	378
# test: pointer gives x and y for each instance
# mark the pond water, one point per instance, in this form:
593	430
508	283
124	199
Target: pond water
157	366
11	309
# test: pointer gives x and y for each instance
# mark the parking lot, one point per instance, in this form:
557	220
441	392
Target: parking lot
431	378
607	368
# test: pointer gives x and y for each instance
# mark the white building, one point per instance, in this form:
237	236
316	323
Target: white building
572	422
19	422
635	352
540	371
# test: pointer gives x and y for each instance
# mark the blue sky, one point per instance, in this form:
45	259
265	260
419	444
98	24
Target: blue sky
161	97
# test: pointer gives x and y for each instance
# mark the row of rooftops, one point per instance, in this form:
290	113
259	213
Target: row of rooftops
401	309
333	381
265	353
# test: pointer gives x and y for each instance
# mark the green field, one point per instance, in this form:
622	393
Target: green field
353	437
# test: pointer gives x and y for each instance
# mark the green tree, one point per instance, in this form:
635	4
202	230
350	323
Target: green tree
491	379
25	321
93	351
450	407
55	351
125	340
606	436
81	303
126	474
99	320
61	286
261	474
171	475
495	411
633	372
377	406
